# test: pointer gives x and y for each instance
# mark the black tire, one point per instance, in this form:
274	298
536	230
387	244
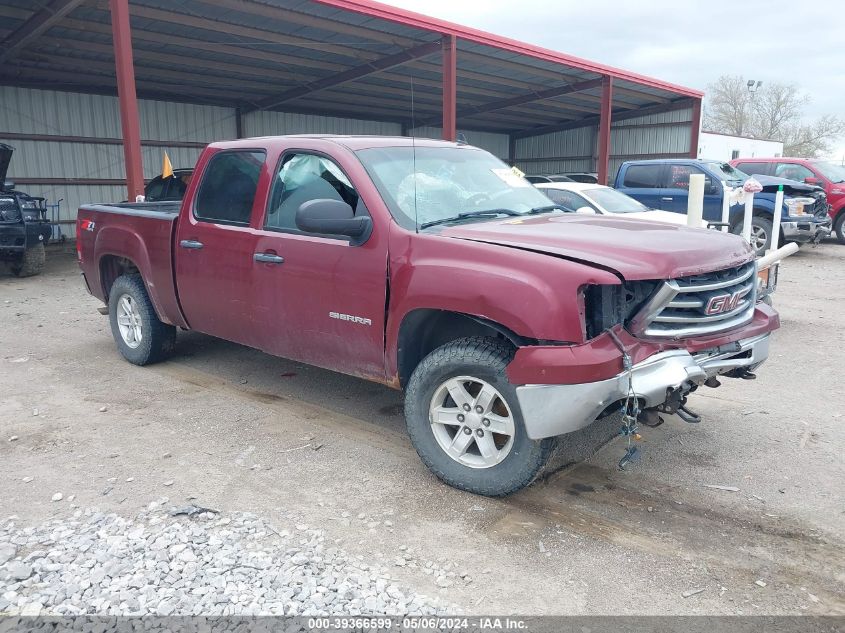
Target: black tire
32	262
485	359
758	222
839	227
158	339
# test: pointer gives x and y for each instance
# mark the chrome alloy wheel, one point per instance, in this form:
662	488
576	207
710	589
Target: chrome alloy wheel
759	238
471	422
129	321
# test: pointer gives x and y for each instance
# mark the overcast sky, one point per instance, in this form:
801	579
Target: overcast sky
690	43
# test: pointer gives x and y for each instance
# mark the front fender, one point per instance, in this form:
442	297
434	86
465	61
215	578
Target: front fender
532	294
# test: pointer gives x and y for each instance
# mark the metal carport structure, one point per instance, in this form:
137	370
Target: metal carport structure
335	58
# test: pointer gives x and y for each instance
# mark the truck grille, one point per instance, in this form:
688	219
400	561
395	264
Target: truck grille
700	305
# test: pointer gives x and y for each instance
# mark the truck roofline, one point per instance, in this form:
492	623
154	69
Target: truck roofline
348	141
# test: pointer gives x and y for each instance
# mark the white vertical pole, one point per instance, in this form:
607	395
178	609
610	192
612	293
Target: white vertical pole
776	219
726	206
695	200
746	220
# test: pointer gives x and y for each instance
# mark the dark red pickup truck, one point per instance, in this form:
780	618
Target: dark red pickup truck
432	267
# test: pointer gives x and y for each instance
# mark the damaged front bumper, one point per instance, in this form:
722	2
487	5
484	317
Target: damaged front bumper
550	410
810	230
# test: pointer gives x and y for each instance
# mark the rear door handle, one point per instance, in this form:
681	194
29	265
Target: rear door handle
193	244
667	199
268	258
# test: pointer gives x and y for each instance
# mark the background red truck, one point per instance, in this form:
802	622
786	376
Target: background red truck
432	267
825	174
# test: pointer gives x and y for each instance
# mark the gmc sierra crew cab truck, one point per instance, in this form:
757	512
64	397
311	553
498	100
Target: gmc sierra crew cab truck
434	268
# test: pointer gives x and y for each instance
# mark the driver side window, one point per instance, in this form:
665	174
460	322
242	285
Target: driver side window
303	177
679	177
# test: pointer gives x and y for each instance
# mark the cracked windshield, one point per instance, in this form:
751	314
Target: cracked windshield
424	186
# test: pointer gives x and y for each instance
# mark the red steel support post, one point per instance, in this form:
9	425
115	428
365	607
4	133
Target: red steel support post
124	66
449	88
604	128
695	128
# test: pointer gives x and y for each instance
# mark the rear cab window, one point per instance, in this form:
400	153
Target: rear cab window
227	191
642	176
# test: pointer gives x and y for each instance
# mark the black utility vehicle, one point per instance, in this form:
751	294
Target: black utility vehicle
24	229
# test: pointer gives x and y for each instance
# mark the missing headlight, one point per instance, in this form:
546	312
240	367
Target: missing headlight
606	306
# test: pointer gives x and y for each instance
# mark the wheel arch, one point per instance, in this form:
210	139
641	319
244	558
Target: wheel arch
423	330
111	267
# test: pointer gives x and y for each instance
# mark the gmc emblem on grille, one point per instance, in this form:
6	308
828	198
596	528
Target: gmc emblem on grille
723	303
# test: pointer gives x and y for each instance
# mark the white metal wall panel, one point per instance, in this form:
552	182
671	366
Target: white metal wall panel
266	123
29	111
496	144
579	144
673	116
46	112
168	121
642	137
649	140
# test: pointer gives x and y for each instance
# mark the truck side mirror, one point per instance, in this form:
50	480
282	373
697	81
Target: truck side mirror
9	184
333	217
811	180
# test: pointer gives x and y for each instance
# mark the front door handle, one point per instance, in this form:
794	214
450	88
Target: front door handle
193	244
268	258
667	199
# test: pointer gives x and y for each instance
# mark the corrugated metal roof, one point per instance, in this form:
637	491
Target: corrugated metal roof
246	53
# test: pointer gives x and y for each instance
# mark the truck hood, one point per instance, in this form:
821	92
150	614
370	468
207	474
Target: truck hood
633	248
5	159
790	187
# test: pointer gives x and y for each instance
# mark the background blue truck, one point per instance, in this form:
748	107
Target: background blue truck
664	184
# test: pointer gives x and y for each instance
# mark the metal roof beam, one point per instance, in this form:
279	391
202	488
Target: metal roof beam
678	104
357	72
36	25
640	94
534	95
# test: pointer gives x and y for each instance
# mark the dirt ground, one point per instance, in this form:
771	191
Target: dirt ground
237	430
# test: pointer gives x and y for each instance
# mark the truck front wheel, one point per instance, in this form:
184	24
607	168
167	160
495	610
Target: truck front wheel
839	226
464	419
140	336
32	261
761	233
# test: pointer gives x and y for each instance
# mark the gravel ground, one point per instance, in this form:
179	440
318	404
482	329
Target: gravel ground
247	434
208	564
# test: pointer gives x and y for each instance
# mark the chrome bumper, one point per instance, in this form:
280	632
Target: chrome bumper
550	410
805	231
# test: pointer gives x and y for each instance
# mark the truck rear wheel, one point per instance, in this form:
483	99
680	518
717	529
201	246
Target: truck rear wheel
140	336
32	262
464	420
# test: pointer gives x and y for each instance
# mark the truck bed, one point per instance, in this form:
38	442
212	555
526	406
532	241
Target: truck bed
140	232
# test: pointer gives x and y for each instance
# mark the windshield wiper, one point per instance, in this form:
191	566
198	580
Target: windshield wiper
469	214
546	209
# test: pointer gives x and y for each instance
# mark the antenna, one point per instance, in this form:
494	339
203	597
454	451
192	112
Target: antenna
414	153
